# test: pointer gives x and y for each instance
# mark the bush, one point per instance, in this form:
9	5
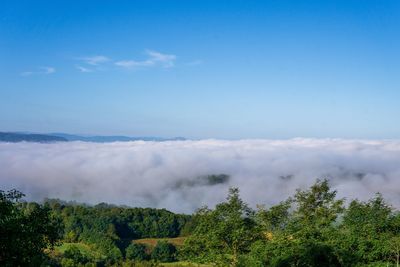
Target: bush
164	252
136	252
74	253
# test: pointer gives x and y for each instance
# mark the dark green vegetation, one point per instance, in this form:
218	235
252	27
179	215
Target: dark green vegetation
25	230
205	180
40	138
313	228
109	230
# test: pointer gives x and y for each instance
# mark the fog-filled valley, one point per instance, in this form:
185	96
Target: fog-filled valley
176	174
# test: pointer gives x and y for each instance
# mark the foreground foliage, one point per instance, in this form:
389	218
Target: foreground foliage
25	231
312	228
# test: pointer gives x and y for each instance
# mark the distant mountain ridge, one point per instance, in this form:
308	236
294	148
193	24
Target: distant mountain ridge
63	137
28	137
113	138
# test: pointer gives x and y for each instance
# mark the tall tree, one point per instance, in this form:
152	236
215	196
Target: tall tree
223	234
25	231
366	228
297	232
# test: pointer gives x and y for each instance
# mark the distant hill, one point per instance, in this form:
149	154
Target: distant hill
63	137
112	138
27	137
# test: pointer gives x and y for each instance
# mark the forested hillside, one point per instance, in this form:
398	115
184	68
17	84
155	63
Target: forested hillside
109	230
312	228
39	138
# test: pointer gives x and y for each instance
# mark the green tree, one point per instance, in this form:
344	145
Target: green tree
317	208
298	231
223	234
74	253
136	252
313	226
164	252
276	218
393	249
25	231
365	230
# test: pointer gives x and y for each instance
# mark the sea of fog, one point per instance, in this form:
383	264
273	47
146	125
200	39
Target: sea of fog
172	174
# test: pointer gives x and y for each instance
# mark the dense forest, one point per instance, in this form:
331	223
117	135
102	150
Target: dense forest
312	228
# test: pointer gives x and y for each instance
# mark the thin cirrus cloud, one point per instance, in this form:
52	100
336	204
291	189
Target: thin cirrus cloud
95	60
39	71
153	59
133	63
83	69
101	63
195	62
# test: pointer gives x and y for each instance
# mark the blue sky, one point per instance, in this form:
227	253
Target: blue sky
201	69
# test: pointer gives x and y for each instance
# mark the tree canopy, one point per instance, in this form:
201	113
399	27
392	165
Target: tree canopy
25	231
311	228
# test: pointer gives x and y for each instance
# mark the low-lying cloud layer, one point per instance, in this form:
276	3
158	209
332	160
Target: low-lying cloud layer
169	174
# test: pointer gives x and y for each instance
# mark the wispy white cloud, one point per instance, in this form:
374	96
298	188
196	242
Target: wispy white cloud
26	73
165	59
195	62
40	70
95	60
133	63
48	70
154	59
83	69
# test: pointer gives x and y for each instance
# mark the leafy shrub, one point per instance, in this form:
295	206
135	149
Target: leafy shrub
164	252
74	253
136	252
